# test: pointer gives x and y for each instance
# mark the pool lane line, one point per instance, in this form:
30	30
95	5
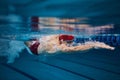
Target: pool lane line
118	73
94	59
84	76
21	72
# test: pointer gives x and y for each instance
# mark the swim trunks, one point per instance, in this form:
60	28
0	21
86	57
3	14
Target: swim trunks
34	47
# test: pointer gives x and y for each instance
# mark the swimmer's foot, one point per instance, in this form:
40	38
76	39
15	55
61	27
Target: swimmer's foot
103	45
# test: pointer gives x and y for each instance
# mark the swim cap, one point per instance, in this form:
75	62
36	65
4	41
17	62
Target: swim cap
66	38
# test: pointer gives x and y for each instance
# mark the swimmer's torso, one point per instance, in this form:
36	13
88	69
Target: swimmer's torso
49	44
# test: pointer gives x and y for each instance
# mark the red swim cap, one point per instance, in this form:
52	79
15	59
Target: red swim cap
66	37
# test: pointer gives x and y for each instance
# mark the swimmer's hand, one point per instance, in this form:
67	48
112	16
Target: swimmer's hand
103	45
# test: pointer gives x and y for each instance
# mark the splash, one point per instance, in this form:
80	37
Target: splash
11	49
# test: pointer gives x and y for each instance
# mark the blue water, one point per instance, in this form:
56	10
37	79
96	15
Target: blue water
95	64
17	63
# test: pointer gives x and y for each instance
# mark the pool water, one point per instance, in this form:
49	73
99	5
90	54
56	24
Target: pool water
94	64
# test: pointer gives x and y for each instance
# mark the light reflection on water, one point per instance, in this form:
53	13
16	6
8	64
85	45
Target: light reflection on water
34	27
15	33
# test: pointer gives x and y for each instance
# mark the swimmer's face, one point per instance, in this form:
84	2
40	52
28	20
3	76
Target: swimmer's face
69	42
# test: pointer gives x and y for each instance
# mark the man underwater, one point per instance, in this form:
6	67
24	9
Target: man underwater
63	42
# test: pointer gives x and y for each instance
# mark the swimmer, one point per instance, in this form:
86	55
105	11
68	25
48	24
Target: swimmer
63	42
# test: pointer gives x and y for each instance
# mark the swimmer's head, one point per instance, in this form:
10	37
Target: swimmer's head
70	41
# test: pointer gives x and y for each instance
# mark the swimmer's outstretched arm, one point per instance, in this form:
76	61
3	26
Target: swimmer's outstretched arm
86	46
